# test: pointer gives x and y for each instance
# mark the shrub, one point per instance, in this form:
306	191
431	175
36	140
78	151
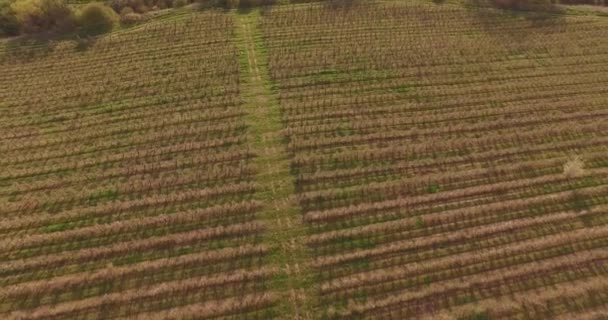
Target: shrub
43	15
179	3
8	22
433	188
419	222
96	18
232	4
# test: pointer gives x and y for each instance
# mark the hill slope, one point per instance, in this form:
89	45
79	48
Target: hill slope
381	161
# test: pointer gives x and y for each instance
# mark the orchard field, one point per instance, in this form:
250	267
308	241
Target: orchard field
388	160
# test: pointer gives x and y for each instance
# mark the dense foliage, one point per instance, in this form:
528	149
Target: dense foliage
36	16
96	18
9	25
54	16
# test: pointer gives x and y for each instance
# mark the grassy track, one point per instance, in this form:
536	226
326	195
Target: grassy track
276	185
389	160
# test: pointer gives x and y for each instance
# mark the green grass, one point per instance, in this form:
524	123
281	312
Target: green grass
276	184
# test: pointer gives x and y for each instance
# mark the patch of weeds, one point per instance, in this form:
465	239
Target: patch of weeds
464	299
361	264
326	75
26	253
419	223
548	189
479	315
345	129
427	280
588	182
542	62
497	104
183	250
268	313
587	221
109	194
59	118
536	209
325	315
56	227
360	296
402	89
518	53
12	198
130	259
476	316
319	201
54	207
219	244
433	188
579	202
362	244
280	280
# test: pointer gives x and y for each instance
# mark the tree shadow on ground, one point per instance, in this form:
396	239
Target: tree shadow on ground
84	43
530	19
31	47
27	48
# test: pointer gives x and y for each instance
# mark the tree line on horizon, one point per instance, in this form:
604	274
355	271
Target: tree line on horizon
56	16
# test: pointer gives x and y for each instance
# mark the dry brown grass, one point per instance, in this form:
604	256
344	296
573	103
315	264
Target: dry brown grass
575	167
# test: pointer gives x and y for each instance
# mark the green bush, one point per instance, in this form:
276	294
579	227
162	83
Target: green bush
179	3
9	25
36	16
232	4
96	18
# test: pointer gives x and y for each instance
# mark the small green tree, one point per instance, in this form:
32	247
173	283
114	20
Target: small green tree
97	18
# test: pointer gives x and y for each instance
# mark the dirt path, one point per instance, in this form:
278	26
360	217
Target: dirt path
285	229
